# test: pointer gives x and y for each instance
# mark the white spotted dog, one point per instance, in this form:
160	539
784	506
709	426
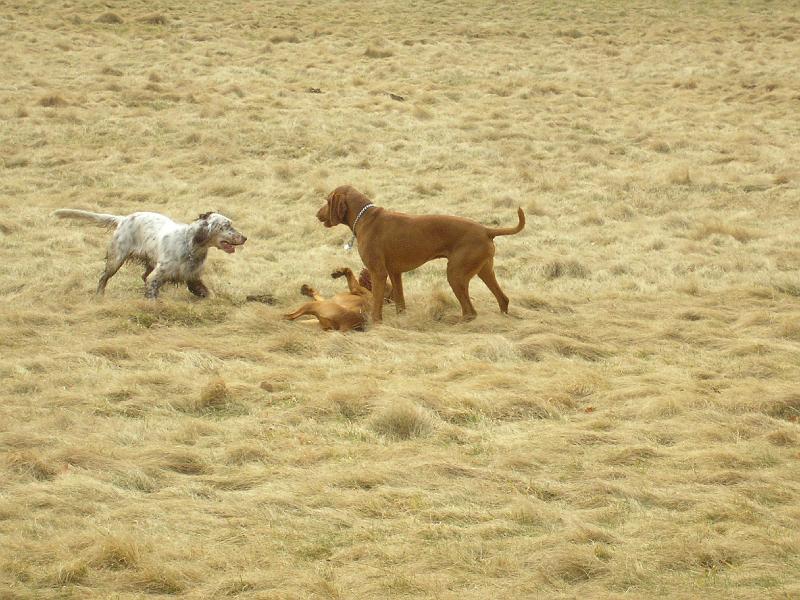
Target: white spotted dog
170	252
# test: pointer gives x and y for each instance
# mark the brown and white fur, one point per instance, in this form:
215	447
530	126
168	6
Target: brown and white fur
170	251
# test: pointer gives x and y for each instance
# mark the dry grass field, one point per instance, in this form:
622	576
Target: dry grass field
629	430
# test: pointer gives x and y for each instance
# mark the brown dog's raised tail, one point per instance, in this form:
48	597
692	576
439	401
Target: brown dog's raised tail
495	231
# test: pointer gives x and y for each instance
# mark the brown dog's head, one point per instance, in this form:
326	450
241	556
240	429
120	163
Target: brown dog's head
342	203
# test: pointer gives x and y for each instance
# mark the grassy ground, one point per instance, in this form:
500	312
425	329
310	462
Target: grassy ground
629	430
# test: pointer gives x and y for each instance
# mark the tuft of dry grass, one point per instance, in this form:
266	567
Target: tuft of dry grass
71	573
785	407
717	227
375	52
214	395
31	463
564	268
440	305
52	101
531	512
352	405
574	564
109	18
158	578
186	462
284	37
420	112
402	421
154	19
660	146
118	551
533	348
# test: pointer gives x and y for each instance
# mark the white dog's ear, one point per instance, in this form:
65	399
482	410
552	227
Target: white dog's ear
204	216
201	236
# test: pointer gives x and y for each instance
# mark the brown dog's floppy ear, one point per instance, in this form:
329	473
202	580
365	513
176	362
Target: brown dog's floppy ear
337	208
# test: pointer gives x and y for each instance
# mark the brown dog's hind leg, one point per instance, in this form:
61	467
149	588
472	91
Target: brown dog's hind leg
459	282
378	287
397	291
306	309
487	276
313	309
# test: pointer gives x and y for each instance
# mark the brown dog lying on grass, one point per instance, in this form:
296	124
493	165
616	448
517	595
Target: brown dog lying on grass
344	311
391	243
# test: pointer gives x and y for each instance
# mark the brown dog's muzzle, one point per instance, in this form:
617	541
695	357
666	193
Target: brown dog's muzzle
324	215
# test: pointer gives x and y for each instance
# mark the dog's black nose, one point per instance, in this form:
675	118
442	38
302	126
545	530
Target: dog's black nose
244	239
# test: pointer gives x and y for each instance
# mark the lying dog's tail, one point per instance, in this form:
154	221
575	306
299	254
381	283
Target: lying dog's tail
495	231
101	218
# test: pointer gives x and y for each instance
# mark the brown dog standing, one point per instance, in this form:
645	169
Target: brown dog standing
391	243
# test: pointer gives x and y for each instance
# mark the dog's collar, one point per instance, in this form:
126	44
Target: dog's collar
349	245
360	214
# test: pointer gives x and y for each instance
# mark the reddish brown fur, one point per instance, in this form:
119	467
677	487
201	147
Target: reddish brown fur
342	312
365	280
391	243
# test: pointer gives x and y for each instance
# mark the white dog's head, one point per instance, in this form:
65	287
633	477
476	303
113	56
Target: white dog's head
216	230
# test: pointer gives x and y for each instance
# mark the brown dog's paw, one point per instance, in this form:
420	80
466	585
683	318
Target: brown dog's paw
340	272
307	290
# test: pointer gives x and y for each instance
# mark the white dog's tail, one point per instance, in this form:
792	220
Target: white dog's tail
101	218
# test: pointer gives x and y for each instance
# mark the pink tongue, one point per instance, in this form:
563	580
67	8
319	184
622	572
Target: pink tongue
229	249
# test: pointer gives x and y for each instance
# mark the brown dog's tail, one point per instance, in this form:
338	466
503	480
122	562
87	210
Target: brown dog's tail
495	231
